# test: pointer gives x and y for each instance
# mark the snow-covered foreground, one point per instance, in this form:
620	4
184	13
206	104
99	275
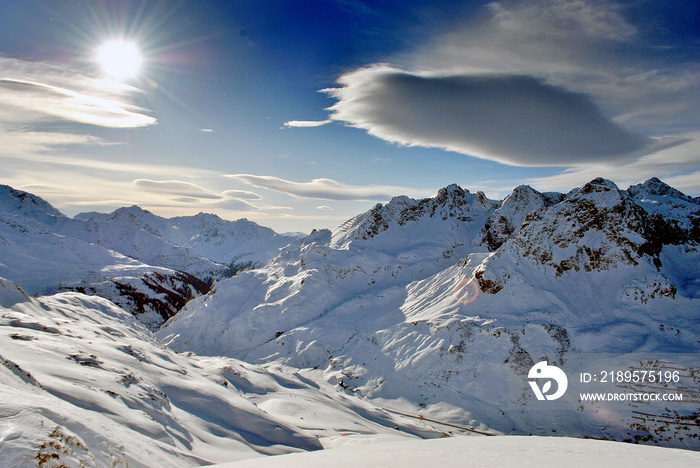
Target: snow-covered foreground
83	383
536	452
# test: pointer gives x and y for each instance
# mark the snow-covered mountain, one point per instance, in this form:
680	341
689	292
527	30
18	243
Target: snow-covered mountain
203	245
442	306
83	383
149	265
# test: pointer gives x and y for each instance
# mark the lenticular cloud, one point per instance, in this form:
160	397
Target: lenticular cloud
511	119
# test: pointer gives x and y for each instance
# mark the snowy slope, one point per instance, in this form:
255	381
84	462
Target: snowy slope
137	233
84	384
535	452
406	305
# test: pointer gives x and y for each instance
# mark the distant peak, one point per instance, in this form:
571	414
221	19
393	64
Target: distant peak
204	215
598	184
524	189
133	209
14	200
453	190
657	187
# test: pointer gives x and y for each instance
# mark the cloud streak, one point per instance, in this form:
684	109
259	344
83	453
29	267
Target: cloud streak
307	123
23	143
38	101
190	193
324	189
36	91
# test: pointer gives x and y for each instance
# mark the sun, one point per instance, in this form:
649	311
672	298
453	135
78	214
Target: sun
119	59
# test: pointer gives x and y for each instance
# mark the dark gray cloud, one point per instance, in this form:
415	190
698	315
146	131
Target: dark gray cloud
512	119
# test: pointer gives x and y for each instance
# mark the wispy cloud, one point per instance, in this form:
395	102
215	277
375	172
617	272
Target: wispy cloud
176	187
34	101
36	91
23	142
307	123
243	194
325	189
189	193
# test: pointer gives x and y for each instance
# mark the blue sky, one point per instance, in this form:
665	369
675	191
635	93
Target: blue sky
300	114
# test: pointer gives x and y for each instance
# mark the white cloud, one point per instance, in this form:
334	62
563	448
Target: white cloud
307	123
176	187
243	194
191	193
325	189
23	142
324	208
38	91
37	101
561	19
584	46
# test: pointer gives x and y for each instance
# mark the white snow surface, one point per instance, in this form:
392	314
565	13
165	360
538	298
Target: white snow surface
535	452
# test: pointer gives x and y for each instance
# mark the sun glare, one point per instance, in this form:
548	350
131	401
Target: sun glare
119	59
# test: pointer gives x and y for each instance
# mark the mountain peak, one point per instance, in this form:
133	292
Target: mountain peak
598	184
451	203
507	218
453	190
133	210
17	202
658	188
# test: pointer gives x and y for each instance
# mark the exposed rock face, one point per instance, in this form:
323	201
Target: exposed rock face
153	297
595	228
508	217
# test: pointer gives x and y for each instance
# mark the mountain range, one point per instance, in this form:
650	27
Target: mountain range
418	318
442	305
149	265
